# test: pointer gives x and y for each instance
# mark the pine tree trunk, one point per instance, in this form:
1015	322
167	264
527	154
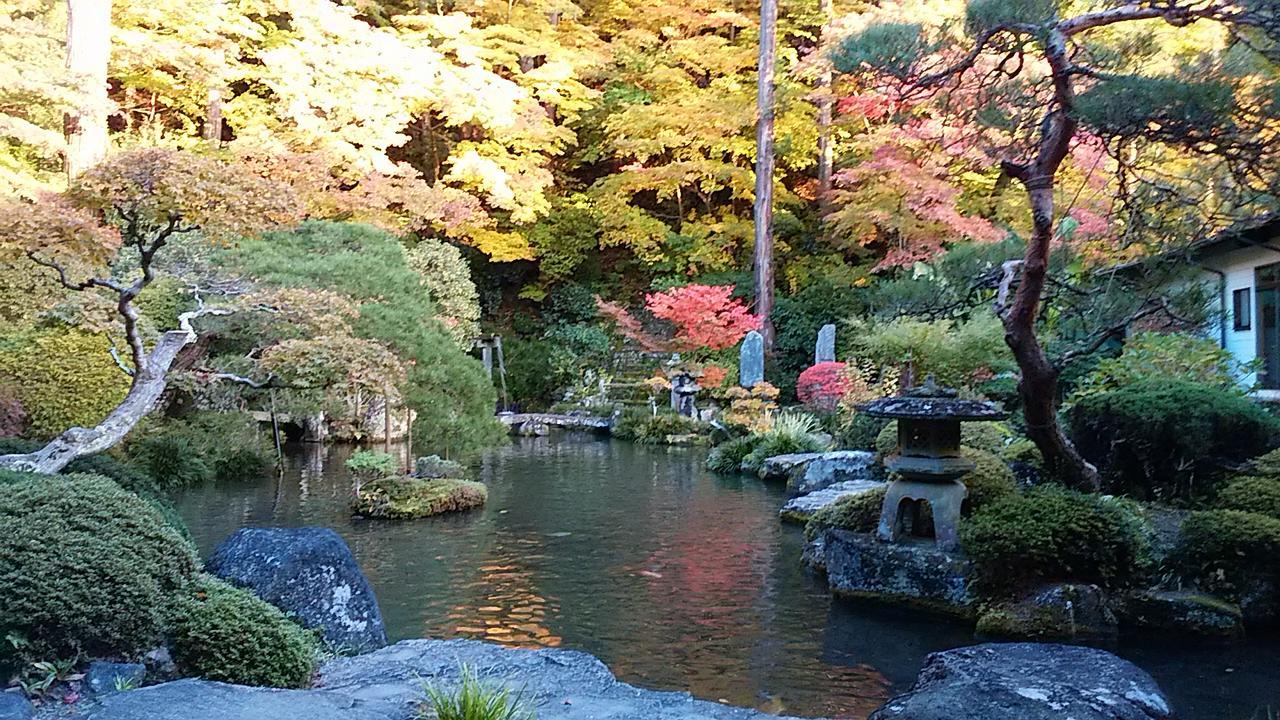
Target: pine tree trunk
764	169
88	52
1039	385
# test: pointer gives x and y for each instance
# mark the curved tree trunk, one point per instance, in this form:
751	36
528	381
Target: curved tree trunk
149	382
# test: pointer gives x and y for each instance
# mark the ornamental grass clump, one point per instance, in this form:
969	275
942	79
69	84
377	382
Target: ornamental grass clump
790	433
726	458
221	632
474	700
87	567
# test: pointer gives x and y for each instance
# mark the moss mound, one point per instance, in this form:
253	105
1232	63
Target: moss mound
1050	533
858	513
1259	495
87	566
406	498
221	632
1224	548
989	481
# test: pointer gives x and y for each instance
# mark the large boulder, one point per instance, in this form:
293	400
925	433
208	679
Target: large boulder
1029	681
388	684
779	467
13	706
912	574
309	572
830	468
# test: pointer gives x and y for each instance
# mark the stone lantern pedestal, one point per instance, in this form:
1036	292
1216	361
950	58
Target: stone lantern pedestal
927	465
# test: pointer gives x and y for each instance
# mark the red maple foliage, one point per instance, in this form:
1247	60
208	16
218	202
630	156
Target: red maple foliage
822	385
705	316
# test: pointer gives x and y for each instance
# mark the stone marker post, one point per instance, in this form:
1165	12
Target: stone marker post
825	350
751	360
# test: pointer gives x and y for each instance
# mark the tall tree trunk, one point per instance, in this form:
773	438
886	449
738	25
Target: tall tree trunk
88	52
825	105
213	118
764	168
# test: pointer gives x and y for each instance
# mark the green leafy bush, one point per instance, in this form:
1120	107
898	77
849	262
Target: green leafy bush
1224	548
1266	465
1049	533
726	458
1152	356
1168	439
474	700
224	633
956	353
858	513
434	466
63	377
859	431
989	481
1259	495
367	465
642	426
87	566
199	447
985	436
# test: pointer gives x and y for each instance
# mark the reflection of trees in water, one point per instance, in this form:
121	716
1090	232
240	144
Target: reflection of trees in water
504	604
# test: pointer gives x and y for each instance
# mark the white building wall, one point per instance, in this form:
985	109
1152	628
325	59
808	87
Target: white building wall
1238	267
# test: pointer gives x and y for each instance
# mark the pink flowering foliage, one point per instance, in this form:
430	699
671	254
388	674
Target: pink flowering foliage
704	316
821	386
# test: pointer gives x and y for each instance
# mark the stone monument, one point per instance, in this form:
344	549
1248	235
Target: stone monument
825	350
751	360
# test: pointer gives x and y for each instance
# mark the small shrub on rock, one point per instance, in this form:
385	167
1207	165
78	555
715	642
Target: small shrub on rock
1168	439
221	632
474	700
87	567
726	458
369	465
406	498
1259	495
434	466
789	434
1050	533
642	426
1224	548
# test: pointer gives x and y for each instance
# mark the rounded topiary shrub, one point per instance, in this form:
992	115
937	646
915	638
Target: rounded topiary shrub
87	566
1049	533
1168	438
1224	548
221	632
1252	494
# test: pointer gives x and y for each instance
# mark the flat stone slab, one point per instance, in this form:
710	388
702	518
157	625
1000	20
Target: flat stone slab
799	509
915	574
830	468
388	684
779	467
1029	681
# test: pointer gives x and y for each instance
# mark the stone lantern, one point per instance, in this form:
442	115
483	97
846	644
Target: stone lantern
927	465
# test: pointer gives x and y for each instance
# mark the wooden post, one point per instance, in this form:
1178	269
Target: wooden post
764	169
275	430
386	420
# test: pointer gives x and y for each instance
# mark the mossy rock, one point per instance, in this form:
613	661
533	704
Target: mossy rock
1228	550
407	498
986	436
857	513
1071	612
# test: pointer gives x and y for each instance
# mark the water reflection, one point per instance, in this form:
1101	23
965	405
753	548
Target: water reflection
677	579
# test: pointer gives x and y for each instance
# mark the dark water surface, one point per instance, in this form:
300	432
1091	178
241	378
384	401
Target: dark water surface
676	578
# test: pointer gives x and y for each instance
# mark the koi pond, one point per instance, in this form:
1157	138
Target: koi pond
676	578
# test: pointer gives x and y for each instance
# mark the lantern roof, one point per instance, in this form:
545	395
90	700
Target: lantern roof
931	401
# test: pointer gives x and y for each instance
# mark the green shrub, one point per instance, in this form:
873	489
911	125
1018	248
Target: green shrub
1049	533
989	481
986	436
859	432
434	466
407	498
726	458
224	633
63	377
642	426
199	447
473	700
87	566
1022	451
1160	357
858	513
1224	548
953	352
1266	465
1259	495
1168	439
367	465
173	460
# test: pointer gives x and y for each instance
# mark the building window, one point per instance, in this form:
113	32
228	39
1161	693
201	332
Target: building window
1241	310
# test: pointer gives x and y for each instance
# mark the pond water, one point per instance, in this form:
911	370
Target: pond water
676	578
